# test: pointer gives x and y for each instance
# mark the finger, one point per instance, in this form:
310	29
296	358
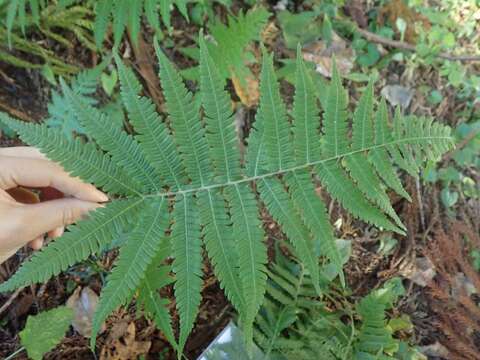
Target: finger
57	232
44	217
36	244
23	152
42	173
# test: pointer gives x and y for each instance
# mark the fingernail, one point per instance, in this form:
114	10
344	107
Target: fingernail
102	197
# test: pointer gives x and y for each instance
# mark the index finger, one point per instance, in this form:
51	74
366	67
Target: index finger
15	171
23	152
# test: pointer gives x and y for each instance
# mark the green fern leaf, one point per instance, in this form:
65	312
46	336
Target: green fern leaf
182	7
134	258
283	211
197	162
221	245
135	19
156	307
278	146
367	181
362	127
121	10
379	157
343	189
153	135
83	86
220	125
82	160
314	215
125	151
400	154
103	9
306	117
228	52
252	252
255	158
88	237
151	13
186	246
357	164
185	122
335	121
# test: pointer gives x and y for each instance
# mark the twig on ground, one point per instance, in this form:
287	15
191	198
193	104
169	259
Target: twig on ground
10	300
410	47
15	112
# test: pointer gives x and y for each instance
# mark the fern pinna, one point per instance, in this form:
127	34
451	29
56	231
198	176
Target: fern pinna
182	181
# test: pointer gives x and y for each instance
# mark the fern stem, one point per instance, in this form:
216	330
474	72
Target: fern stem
298	167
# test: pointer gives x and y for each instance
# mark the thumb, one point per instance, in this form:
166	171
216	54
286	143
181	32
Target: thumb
43	217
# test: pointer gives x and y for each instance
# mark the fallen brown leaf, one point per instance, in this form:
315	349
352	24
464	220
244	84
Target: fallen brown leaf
322	55
125	347
398	9
247	90
83	302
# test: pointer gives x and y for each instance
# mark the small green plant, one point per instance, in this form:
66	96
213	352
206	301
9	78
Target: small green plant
121	14
84	85
181	181
53	22
228	47
295	323
45	330
458	176
127	14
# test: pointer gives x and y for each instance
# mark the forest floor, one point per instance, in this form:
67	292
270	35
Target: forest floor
432	258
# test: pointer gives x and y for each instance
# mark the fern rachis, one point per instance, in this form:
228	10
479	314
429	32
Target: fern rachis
192	171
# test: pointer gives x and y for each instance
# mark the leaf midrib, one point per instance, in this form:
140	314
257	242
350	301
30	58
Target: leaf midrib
298	167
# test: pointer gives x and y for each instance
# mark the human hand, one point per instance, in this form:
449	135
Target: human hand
22	224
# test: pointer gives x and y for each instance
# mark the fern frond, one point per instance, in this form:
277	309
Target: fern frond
82	240
120	14
220	124
278	145
134	20
187	265
252	252
306	119
335	118
379	157
343	189
134	258
314	215
153	136
128	14
83	86
123	148
374	336
185	122
82	160
220	245
357	164
368	182
280	206
151	13
362	126
157	276
165	8
198	165
228	52
103	9
255	158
